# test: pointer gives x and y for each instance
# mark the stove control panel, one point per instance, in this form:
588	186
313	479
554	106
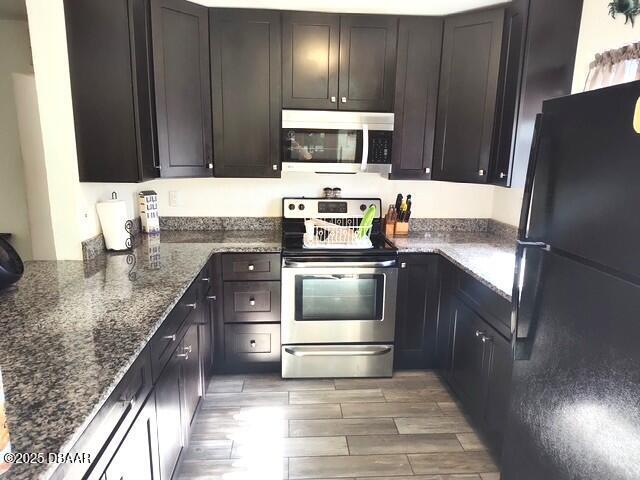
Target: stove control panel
329	207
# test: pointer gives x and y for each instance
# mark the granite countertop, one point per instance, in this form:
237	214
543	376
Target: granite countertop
488	257
72	329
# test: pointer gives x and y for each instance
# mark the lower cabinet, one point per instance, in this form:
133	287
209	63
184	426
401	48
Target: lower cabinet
136	458
192	381
416	311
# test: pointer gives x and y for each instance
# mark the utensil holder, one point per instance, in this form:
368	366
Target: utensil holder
402	229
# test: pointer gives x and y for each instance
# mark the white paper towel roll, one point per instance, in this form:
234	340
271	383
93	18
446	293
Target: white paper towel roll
113	216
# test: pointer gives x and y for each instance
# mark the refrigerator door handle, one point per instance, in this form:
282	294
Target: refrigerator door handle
524	316
528	186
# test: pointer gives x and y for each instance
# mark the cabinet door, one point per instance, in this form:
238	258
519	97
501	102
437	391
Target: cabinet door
467	98
170	416
182	83
367	62
467	361
310	49
192	382
137	456
498	386
109	66
417	309
445	317
416	95
246	72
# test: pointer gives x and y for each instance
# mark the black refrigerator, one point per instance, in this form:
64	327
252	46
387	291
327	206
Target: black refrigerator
575	396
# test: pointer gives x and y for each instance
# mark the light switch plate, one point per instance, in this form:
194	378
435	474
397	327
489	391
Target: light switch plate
175	199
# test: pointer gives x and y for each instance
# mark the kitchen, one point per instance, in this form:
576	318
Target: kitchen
316	240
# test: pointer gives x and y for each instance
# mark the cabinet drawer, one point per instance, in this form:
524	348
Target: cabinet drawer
251	266
495	309
252	343
168	336
251	302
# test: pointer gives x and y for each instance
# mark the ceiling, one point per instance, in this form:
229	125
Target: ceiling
397	7
13	9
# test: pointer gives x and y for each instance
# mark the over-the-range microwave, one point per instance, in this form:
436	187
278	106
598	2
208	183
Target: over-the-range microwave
336	142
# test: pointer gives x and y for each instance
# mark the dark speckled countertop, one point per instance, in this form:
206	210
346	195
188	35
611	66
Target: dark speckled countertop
71	329
488	257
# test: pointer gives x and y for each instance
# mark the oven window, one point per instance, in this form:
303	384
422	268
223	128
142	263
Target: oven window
323	146
339	297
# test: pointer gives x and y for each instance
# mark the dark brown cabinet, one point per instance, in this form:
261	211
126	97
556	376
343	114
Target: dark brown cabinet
310	56
499	363
112	90
344	62
169	398
416	311
469	75
246	85
192	379
182	87
367	62
416	96
137	456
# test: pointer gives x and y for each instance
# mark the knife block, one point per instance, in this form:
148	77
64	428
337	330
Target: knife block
402	229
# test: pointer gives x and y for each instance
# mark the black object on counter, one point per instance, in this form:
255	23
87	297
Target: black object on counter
11	266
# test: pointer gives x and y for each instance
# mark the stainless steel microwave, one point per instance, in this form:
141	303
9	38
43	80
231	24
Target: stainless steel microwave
336	142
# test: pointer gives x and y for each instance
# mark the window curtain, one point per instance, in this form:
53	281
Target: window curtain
613	67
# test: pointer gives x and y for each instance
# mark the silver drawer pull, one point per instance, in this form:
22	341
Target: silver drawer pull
343	99
187	349
191	305
212	297
502	174
183	355
252	301
486	339
205	279
332	352
479	333
170	337
251	267
252	343
481	172
333	99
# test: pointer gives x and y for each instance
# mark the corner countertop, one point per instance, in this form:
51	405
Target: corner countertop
72	329
488	257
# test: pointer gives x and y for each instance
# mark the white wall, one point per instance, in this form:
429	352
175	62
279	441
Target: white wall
15	57
599	32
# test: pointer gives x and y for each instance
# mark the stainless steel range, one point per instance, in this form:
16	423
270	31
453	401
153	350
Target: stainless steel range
339	282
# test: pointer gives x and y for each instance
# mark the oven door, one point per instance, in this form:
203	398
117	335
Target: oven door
338	302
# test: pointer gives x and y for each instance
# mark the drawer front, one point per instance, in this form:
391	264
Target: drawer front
168	336
252	343
251	302
251	266
495	309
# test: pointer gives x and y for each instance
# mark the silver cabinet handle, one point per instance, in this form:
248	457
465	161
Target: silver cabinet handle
191	305
333	99
332	352
486	339
286	263
427	170
479	333
275	168
210	166
212	297
251	267
252	301
481	172
502	174
206	279
170	337
187	349
183	355
252	343
343	99
403	265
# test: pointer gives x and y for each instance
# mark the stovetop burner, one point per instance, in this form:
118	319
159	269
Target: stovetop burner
341	211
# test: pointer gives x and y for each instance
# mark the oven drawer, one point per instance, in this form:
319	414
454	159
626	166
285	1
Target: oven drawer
251	302
305	361
251	266
252	343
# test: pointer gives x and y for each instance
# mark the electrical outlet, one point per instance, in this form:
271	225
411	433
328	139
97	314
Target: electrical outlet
175	199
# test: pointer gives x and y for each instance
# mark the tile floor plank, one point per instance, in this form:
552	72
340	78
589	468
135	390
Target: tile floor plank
470	441
345	467
292	447
284	385
440	424
249	399
426	477
347	426
266	469
335	396
395	409
384	444
429	394
454	462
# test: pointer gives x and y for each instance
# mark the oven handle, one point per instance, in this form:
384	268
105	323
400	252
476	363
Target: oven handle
315	264
315	352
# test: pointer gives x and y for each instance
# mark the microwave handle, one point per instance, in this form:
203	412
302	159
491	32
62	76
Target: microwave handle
365	147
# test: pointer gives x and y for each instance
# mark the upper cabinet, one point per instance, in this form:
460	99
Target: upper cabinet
182	87
416	96
310	54
344	62
246	79
112	89
467	98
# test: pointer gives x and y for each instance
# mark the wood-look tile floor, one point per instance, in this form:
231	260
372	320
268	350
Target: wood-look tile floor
260	427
